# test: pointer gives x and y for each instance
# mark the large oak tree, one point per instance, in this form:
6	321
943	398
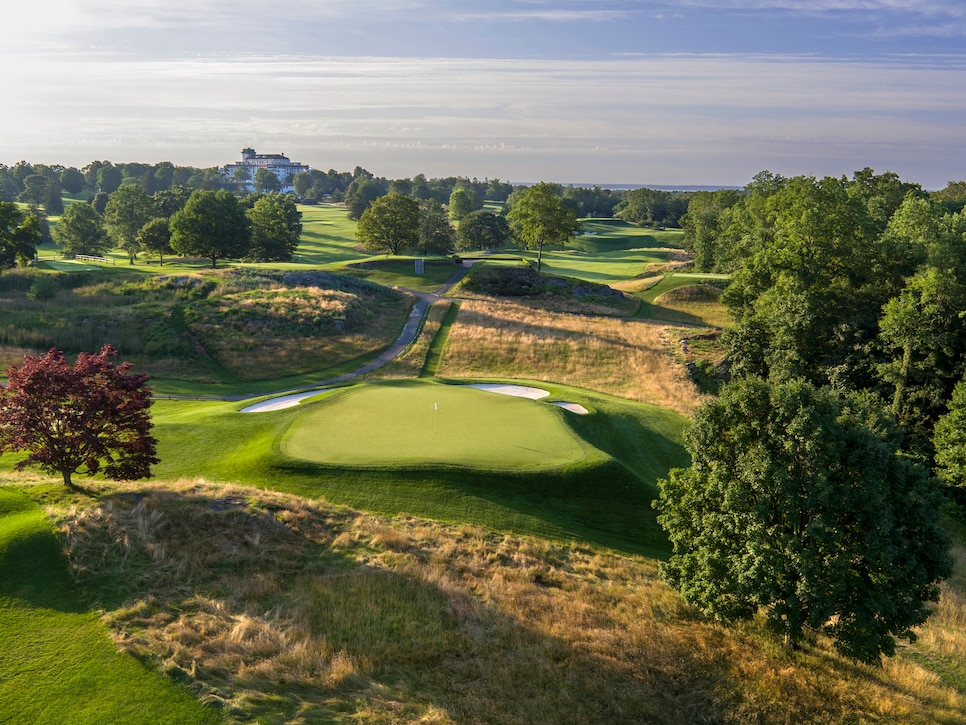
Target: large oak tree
128	209
391	224
213	224
81	231
539	217
797	503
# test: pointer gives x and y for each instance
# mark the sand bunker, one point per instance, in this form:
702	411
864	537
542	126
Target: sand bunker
572	407
286	401
524	391
519	391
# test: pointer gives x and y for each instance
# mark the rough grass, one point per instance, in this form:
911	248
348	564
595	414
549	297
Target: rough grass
285	611
630	359
221	327
266	334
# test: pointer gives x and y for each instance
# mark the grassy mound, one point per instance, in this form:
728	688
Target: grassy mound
58	663
221	326
545	290
691	293
504	281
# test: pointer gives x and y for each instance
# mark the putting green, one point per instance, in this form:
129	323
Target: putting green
410	422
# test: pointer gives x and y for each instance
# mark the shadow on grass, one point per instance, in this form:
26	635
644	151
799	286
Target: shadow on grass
32	563
657	313
603	504
283	611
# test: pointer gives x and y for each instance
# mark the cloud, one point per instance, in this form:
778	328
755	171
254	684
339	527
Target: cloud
703	117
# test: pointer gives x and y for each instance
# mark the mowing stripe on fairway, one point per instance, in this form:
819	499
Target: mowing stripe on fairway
413	422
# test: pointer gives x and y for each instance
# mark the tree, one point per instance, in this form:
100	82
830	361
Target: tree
276	228
99	201
109	178
419	187
81	231
949	440
497	190
155	238
213	224
797	502
128	209
19	235
652	207
361	193
482	230
435	233
149	182
266	181
35	189
72	180
799	279
462	202
302	182
53	203
705	226
390	224
91	417
540	217
170	201
595	202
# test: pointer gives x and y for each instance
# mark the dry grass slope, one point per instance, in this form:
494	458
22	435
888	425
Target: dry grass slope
281	610
626	358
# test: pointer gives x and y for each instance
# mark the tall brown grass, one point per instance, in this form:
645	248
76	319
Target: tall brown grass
281	610
626	358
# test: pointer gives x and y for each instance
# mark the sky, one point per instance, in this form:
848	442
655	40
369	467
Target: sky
652	92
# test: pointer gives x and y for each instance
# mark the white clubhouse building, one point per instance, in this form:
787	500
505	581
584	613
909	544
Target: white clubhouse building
279	164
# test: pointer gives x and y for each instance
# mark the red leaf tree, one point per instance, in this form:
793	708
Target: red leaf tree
91	417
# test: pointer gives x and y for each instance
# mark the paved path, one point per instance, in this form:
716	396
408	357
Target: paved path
405	339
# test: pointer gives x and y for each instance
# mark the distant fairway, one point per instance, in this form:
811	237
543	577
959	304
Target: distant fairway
405	423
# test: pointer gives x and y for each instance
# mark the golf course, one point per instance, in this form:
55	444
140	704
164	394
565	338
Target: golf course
386	496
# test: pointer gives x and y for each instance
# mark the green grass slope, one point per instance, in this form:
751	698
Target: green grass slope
611	235
57	662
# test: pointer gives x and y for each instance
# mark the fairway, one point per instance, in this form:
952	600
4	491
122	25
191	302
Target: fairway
406	423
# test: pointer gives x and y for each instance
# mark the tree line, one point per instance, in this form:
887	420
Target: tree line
532	217
201	223
42	187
